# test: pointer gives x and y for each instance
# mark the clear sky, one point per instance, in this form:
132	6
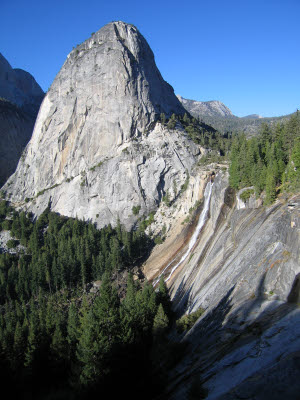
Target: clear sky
245	53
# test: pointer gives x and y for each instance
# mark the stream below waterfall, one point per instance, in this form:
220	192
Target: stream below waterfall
201	222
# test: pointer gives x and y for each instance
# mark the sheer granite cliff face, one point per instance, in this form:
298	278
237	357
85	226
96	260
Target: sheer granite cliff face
96	149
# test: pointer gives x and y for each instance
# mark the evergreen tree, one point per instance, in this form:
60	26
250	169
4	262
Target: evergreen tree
293	170
270	187
58	344
100	335
19	346
73	329
172	122
163	296
129	313
161	322
163	118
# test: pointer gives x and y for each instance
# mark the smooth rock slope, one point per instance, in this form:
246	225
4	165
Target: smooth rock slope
96	150
244	272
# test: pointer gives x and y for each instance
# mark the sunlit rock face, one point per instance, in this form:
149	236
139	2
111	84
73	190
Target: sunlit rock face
97	149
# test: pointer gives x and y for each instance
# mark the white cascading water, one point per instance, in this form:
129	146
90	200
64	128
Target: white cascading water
201	222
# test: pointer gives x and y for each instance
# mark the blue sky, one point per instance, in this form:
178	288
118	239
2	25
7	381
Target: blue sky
243	53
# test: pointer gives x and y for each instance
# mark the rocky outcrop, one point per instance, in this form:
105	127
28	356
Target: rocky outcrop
20	98
97	149
244	272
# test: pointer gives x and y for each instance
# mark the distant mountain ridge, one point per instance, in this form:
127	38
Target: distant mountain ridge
253	116
19	87
206	108
220	117
20	99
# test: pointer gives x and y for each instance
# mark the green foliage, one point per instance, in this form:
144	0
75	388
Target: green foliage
163	118
11	244
172	122
246	194
268	162
158	240
163	296
125	151
40	193
146	222
99	336
187	321
55	334
293	168
96	166
166	199
186	183
161	322
206	136
5	209
61	252
136	210
6	225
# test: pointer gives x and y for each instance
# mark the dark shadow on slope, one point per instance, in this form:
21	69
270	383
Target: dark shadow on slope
294	296
206	332
224	330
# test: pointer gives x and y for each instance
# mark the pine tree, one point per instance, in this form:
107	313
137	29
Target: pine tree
129	313
163	296
162	118
58	343
19	346
293	170
161	322
172	122
270	187
100	335
85	353
73	327
32	346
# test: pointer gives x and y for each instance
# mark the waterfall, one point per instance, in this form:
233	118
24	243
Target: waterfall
201	222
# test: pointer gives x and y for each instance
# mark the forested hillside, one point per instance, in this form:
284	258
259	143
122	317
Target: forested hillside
269	162
58	338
